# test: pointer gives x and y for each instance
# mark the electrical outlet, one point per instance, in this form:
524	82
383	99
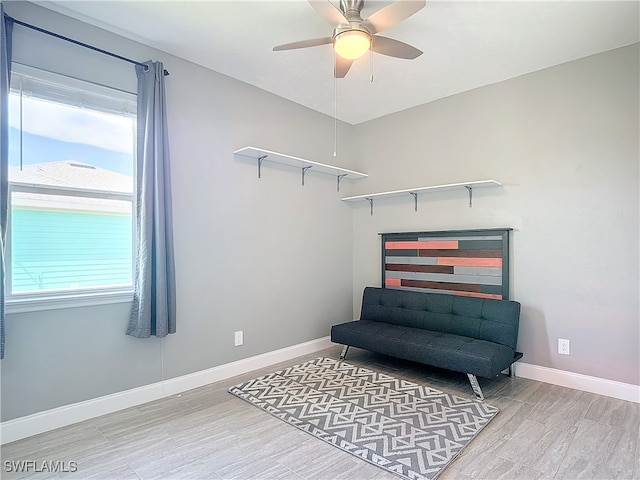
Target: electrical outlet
563	346
239	338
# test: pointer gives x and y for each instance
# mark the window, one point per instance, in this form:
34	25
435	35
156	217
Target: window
71	188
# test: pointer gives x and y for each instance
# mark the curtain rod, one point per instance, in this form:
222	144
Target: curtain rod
76	42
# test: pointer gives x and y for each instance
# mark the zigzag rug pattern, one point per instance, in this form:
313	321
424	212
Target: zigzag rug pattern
406	428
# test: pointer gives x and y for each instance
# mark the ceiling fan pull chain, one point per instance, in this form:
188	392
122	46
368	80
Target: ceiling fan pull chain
371	64
335	110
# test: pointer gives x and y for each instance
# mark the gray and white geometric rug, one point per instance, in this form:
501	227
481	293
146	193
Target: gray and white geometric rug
406	428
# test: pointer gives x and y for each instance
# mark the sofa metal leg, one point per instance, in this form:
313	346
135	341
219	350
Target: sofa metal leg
512	370
343	354
476	386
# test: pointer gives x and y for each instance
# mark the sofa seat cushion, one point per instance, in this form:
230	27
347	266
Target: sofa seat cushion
443	350
487	319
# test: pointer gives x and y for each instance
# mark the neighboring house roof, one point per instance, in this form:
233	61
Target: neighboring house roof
73	174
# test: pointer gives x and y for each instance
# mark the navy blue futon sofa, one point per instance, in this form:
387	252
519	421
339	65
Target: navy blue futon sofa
476	336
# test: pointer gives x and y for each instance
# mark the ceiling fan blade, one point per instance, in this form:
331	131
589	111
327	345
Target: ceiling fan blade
342	66
389	16
394	48
330	13
313	42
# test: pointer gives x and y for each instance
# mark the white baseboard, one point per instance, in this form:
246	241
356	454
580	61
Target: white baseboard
601	386
40	422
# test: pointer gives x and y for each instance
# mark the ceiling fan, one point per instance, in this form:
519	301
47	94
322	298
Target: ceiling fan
354	36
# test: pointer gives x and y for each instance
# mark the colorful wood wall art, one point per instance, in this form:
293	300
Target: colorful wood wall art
474	263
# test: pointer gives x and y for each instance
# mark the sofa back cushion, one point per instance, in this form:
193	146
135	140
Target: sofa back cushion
481	318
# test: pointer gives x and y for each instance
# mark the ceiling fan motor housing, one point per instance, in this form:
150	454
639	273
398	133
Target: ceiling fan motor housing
351	9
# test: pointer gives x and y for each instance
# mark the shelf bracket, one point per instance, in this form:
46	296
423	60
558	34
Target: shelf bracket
370	200
304	170
260	160
415	200
340	177
470	190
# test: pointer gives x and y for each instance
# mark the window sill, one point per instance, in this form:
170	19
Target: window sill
37	304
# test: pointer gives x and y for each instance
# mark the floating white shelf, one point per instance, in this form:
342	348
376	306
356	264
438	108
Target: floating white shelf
260	154
415	191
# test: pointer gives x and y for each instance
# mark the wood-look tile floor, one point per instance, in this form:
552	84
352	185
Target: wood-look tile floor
542	431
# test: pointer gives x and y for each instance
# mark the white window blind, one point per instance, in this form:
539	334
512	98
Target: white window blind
53	87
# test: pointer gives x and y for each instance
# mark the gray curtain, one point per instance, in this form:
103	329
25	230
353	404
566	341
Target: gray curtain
154	299
6	28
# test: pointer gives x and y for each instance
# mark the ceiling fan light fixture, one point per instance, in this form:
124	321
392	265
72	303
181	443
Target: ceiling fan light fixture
352	44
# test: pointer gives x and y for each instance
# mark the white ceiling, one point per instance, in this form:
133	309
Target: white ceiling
466	44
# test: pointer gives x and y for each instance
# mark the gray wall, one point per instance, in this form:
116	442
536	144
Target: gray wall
269	256
565	143
283	263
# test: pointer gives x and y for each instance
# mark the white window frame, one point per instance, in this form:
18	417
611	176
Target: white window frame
55	299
